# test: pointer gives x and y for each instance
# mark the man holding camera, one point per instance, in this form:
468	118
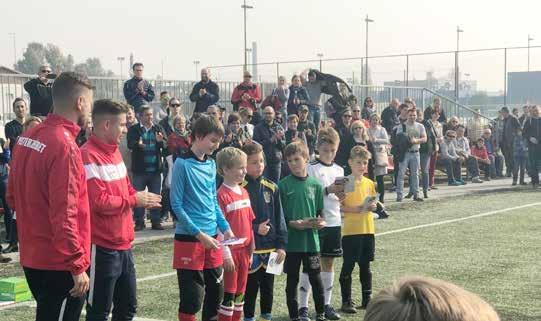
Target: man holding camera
39	89
138	91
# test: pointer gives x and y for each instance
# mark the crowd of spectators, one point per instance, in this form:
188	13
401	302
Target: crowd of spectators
403	140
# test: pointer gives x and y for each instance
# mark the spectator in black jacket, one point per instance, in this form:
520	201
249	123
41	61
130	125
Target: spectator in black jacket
15	127
532	134
525	114
205	92
437	106
271	136
308	128
146	142
40	91
510	126
297	95
137	91
389	116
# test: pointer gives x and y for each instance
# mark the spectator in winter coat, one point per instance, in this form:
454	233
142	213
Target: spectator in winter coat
438	107
179	139
235	136
496	158
520	155
475	127
462	145
532	134
282	92
368	108
525	115
39	89
246	115
297	96
146	142
308	128
138	91
389	116
160	109
271	136
123	146
510	128
246	94
486	163
344	131
15	127
204	93
451	160
174	108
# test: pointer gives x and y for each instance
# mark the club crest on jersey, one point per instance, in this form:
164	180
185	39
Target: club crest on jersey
267	196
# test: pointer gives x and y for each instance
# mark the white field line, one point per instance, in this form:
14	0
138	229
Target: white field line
164	275
160	276
458	219
33	304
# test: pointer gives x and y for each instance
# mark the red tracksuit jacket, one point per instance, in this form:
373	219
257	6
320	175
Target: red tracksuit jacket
47	189
110	194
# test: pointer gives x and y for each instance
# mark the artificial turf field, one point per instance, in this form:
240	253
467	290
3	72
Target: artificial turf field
497	255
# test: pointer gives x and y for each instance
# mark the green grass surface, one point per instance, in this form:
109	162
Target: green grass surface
495	256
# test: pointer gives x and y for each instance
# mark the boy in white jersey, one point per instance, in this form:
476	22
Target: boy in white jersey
326	172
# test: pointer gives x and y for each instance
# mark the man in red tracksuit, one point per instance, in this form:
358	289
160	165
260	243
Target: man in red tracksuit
111	197
47	188
247	94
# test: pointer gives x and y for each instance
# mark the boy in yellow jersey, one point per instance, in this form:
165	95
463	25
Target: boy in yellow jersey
358	242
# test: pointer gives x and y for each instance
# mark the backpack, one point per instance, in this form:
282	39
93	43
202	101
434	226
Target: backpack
401	143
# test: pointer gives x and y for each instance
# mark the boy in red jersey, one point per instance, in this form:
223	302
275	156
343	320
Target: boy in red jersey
235	204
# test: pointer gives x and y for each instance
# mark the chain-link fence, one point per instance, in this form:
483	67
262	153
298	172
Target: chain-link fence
11	87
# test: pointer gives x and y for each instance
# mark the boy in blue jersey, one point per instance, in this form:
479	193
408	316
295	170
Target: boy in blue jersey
197	254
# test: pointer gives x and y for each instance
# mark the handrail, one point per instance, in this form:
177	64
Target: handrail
457	103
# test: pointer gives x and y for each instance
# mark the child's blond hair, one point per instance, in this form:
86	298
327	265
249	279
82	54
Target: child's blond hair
328	135
359	152
228	157
417	298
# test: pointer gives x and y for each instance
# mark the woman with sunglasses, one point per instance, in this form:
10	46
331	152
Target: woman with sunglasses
40	91
368	108
246	116
174	108
451	160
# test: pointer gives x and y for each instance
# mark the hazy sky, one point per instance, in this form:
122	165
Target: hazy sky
179	32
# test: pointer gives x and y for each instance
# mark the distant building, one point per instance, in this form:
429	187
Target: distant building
11	87
8	71
524	87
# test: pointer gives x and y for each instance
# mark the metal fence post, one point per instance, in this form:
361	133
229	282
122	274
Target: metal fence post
505	77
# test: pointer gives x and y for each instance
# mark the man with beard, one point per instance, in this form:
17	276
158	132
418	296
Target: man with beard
54	229
205	92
